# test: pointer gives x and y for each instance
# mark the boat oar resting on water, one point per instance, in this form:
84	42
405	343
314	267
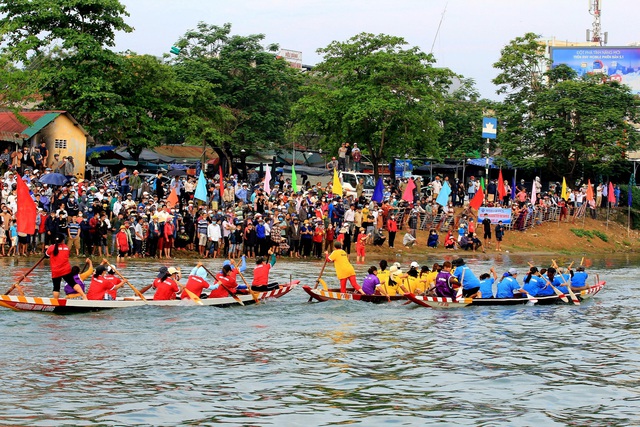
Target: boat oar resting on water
68	306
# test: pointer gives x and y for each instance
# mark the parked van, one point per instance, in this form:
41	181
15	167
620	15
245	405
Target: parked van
350	181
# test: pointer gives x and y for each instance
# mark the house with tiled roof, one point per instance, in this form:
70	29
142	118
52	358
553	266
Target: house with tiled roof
62	134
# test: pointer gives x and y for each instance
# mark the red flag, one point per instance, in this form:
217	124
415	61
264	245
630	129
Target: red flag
27	211
477	200
589	191
221	182
408	191
502	191
611	197
172	200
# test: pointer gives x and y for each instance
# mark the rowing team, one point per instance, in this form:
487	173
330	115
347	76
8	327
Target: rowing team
106	280
444	281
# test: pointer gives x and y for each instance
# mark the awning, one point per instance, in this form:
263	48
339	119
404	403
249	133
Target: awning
109	162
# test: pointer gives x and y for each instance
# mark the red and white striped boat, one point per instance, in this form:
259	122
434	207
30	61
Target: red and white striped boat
441	302
335	294
68	306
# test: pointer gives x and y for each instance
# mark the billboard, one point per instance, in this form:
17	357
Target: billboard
495	215
293	57
621	64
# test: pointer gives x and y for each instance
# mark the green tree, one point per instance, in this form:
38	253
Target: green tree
247	79
552	119
374	91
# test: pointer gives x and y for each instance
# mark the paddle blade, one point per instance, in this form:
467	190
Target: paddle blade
195	298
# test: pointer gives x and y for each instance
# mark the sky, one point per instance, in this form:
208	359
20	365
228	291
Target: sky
471	35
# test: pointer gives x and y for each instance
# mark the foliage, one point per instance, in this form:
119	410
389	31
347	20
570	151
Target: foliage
582	233
246	79
601	235
556	121
374	91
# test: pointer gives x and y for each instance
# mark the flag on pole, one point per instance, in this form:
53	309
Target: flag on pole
27	211
513	188
336	187
533	193
172	200
563	194
502	191
477	200
589	191
201	188
267	178
482	183
443	196
294	178
408	191
611	198
378	193
632	183
221	183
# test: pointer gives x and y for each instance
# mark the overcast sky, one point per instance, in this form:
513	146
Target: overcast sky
469	41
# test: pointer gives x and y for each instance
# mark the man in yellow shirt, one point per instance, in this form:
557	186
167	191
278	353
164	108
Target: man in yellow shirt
344	269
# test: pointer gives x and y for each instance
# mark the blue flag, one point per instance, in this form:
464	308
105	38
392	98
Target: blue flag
201	188
513	188
632	183
378	193
443	196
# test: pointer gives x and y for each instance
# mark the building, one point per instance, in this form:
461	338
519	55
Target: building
62	134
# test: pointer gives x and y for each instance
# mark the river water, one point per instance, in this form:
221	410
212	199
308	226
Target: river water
293	363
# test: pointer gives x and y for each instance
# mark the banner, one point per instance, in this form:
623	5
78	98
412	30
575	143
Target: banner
495	215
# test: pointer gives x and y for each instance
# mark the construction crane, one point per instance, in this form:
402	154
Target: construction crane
596	35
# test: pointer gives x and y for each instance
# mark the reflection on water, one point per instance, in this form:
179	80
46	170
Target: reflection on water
288	362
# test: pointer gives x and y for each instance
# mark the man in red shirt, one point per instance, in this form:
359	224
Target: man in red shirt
226	283
196	282
262	269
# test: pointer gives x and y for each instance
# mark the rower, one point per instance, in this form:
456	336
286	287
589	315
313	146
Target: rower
508	286
535	284
196	283
445	281
169	286
104	287
226	283
234	271
78	290
487	282
579	279
470	283
261	272
162	272
371	282
559	280
344	269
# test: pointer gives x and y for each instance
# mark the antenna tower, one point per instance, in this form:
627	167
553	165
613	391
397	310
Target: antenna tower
596	35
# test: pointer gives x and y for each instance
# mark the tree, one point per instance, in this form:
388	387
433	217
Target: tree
461	118
247	79
552	119
373	91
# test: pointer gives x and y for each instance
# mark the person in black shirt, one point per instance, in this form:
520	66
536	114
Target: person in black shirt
486	224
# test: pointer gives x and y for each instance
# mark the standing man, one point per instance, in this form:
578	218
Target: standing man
135	182
486	225
356	156
342	157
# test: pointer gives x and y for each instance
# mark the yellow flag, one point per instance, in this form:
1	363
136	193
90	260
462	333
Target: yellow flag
564	194
337	187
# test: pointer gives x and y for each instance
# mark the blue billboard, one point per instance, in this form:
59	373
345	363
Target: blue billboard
621	64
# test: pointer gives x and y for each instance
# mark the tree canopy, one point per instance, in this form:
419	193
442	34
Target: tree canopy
375	91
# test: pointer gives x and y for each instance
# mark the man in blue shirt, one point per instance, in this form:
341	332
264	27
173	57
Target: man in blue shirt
509	285
470	283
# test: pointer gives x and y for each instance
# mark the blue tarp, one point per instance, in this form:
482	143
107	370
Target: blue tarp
482	162
100	149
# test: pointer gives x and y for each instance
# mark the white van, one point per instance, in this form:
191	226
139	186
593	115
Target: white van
350	181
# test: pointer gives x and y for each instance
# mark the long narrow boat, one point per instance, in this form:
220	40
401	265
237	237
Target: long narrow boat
440	302
335	294
69	306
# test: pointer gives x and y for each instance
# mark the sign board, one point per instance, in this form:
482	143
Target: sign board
489	127
404	168
620	64
495	215
293	57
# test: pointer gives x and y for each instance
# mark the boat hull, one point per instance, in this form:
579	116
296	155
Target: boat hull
70	306
441	302
335	294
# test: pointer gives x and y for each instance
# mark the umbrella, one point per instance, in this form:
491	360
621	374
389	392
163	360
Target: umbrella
54	179
177	172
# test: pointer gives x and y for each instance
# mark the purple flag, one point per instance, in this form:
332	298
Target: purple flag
513	188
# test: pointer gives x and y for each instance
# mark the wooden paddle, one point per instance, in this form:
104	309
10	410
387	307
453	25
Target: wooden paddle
253	294
326	260
135	290
573	296
195	298
24	276
231	294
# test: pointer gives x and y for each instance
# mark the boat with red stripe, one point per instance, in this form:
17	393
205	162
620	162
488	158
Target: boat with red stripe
69	306
441	302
